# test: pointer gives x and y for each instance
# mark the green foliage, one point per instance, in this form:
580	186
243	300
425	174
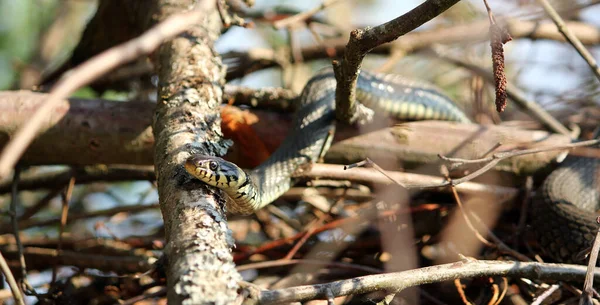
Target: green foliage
21	22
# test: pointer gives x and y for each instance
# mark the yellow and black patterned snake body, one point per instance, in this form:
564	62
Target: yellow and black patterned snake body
314	122
561	224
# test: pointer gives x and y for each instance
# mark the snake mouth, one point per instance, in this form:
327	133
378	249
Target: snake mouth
202	167
191	167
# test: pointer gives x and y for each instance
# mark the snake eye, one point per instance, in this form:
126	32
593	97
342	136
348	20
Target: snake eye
213	165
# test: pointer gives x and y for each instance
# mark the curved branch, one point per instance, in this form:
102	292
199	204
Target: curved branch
398	281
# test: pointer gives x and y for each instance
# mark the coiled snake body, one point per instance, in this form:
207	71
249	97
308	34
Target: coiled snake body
405	99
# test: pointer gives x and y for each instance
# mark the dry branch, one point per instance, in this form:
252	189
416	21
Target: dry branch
363	41
399	281
408	180
571	38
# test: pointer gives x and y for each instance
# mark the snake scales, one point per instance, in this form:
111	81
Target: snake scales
561	214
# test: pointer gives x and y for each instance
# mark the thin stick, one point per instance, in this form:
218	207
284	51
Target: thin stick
468	221
588	284
11	281
545	294
66	197
497	157
409	180
461	292
398	281
281	262
15	223
504	290
88	72
303	16
571	38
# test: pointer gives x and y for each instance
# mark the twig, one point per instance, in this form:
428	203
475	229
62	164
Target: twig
363	41
369	163
461	292
89	71
11	281
495	292
468	220
588	284
279	263
357	220
107	212
229	19
146	295
15	224
497	157
398	281
87	174
497	243
66	198
313	227
524	208
280	24
571	38
43	202
409	180
387	300
42	258
504	290
548	292
500	245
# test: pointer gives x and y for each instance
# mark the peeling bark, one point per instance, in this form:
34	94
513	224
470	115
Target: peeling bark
200	268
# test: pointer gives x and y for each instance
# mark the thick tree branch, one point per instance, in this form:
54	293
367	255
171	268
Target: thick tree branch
200	268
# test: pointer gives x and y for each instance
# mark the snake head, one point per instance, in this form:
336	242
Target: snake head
213	170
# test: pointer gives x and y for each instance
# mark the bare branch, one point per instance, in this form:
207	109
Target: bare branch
363	41
399	281
408	180
11	281
571	38
280	24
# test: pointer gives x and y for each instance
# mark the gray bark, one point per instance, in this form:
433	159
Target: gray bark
200	267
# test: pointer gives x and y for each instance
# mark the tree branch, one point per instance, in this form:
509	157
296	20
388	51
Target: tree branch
200	268
399	281
363	41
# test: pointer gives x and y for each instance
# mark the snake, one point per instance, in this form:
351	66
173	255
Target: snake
563	212
562	215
